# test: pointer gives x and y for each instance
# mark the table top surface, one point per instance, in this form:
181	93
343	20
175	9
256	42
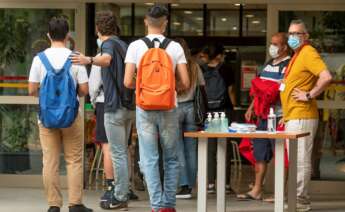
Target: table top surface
276	135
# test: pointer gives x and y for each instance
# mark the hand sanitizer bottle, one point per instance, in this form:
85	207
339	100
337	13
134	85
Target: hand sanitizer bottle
271	121
216	122
208	123
224	123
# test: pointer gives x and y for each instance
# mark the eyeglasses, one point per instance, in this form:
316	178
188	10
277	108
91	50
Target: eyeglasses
297	33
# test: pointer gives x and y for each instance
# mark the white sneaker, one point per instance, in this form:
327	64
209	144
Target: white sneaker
300	207
303	207
211	189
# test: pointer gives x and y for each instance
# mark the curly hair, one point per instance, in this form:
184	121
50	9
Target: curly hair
107	23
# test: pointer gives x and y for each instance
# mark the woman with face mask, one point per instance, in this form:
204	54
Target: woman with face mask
266	84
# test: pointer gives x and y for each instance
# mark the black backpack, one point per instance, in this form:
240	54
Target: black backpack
127	96
215	87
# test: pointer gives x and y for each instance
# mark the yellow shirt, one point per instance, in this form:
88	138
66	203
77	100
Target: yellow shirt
303	75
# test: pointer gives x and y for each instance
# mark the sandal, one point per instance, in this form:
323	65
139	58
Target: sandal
247	197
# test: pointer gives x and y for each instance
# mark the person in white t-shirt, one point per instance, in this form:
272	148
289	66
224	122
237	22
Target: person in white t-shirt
151	123
71	138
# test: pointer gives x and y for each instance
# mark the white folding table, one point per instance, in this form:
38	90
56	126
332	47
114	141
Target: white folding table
280	137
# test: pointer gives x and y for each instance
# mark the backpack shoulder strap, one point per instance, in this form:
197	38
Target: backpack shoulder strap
148	42
68	64
45	61
119	49
165	43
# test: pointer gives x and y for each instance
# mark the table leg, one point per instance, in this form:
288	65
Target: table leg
202	174
292	182
279	176
221	174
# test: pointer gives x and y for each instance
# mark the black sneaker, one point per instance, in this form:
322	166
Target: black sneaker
132	195
114	204
184	193
109	192
79	208
54	209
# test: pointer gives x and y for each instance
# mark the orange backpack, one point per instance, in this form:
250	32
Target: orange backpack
155	85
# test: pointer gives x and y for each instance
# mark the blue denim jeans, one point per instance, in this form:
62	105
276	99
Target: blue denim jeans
118	128
186	148
150	126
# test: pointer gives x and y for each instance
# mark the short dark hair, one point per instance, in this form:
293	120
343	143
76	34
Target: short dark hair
107	23
213	50
58	28
157	11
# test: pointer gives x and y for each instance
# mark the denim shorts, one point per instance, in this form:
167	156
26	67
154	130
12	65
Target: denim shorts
263	147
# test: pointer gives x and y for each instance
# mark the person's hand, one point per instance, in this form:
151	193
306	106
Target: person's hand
80	59
299	95
248	115
281	122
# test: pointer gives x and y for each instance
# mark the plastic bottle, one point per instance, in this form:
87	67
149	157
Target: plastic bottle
271	121
208	123
216	124
224	123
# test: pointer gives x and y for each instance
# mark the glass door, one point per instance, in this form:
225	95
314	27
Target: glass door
23	33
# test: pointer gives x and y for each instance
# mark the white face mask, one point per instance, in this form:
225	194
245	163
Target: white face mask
273	51
99	43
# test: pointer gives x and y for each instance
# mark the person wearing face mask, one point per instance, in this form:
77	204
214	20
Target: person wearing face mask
220	92
118	113
266	84
306	77
96	93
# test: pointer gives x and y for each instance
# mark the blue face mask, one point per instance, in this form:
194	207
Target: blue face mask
99	43
294	41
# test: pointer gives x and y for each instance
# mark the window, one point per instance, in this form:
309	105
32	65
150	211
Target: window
326	29
186	20
17	51
223	23
254	22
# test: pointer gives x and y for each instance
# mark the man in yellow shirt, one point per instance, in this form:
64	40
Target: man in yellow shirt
305	78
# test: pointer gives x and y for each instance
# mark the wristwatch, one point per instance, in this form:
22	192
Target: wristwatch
308	96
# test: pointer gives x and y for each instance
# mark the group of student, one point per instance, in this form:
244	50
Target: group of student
154	81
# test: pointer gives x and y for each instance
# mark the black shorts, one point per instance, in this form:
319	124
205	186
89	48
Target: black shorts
101	136
263	147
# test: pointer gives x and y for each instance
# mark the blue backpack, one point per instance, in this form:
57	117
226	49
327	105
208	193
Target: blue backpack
58	103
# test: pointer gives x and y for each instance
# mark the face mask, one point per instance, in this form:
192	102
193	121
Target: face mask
273	51
99	43
294	41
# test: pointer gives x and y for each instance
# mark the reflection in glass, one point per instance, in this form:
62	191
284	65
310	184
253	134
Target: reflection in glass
186	22
327	29
20	40
224	23
20	151
254	23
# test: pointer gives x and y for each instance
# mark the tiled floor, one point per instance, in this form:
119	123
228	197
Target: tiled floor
32	200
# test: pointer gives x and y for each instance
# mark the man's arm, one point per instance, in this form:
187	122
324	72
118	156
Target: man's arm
183	76
324	80
33	88
103	60
129	80
232	95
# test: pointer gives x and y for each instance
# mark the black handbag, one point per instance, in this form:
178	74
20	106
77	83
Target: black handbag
200	106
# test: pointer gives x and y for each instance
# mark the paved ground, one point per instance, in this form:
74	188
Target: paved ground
32	200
